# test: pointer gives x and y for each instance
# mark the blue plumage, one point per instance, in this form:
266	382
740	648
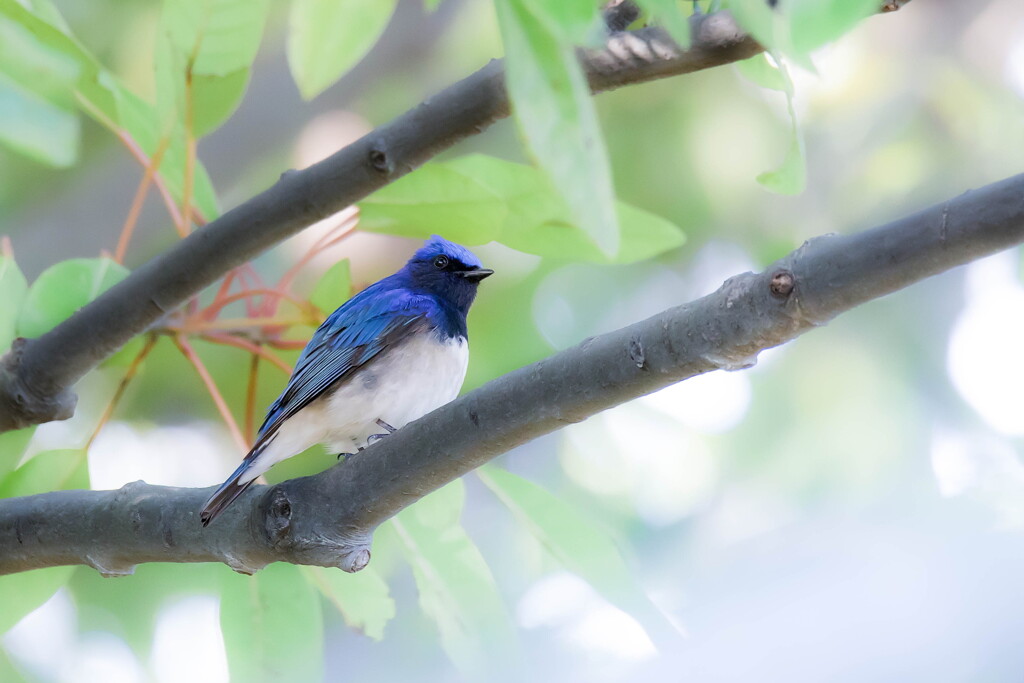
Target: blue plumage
387	356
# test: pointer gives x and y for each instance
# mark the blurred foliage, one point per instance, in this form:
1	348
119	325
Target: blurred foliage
636	201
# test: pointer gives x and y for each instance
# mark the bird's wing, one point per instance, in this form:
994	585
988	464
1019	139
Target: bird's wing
351	337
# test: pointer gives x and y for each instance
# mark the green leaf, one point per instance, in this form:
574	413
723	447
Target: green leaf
758	19
273	626
334	288
12	447
48	471
791	175
644	235
582	545
219	37
13	288
760	71
211	43
327	37
106	100
435	200
143	123
573	21
216	99
36	66
812	23
23	593
8	671
64	288
669	14
537	220
129	606
36	128
455	585
552	105
362	599
94	85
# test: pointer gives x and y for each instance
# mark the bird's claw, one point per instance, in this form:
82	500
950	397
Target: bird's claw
388	430
346	456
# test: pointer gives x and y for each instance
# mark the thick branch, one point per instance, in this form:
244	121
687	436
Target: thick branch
35	382
328	519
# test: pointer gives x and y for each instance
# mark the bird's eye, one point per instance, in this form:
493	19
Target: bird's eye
441	262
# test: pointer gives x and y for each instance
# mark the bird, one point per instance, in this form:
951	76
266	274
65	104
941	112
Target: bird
389	355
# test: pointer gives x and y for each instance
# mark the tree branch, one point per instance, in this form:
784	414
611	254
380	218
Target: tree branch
328	519
35	378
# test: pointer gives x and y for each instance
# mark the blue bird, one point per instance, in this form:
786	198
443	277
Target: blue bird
390	354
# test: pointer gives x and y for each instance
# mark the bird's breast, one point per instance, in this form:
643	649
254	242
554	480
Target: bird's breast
402	384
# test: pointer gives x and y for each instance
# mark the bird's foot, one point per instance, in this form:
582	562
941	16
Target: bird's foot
388	430
346	456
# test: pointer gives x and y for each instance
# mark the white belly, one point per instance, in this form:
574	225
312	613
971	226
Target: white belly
406	384
399	386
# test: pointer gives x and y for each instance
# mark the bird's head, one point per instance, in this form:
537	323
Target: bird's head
447	270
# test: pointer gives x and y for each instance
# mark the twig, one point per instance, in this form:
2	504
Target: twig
222	407
122	386
137	201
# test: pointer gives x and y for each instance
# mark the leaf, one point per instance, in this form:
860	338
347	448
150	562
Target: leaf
455	585
580	544
212	43
327	37
757	18
643	235
94	85
220	37
13	288
64	288
573	21
555	114
12	447
791	175
23	593
36	66
668	14
138	598
216	99
48	471
334	288
106	100
34	127
537	220
760	71
141	120
812	23
362	599
8	672
273	626
435	200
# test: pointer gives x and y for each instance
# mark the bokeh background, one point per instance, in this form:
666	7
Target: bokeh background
849	509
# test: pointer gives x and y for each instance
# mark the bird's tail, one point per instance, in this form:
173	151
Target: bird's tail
230	489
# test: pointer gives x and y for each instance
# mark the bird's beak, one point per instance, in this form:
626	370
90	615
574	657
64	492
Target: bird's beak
476	275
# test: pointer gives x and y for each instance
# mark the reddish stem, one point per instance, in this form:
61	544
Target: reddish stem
222	407
129	374
251	347
140	195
